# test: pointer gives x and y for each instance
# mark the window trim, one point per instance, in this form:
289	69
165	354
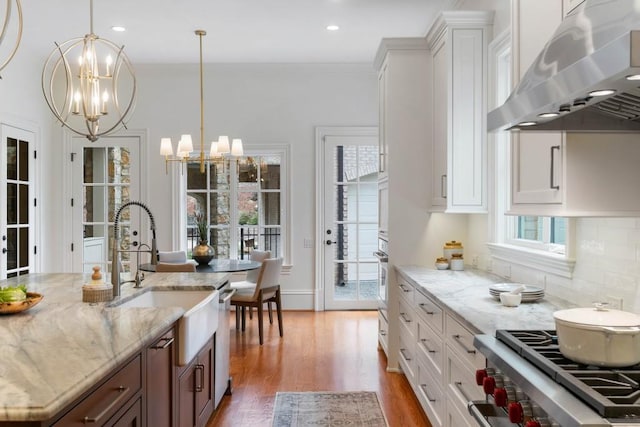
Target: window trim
180	188
502	247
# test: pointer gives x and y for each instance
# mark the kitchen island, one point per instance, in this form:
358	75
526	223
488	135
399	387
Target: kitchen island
54	353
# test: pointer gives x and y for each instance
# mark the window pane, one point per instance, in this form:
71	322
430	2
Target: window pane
368	202
271	208
558	230
368	162
248	170
219	239
195	179
12	249
12	204
12	158
24	204
118	196
367	240
247	208
119	166
270	172
529	228
219	175
346	163
248	240
196	204
93	209
271	240
23	165
219	208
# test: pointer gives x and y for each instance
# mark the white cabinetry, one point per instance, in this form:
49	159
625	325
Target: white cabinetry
437	356
458	43
565	173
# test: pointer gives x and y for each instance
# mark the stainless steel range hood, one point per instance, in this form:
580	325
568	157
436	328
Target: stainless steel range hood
596	48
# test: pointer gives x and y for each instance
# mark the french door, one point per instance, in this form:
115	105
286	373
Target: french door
106	175
17	214
350	222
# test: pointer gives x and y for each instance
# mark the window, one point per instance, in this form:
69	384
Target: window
537	232
243	202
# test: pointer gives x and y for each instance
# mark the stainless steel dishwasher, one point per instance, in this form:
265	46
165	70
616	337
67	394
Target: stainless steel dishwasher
222	378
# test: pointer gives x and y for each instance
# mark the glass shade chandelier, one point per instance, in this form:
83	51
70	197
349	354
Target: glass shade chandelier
89	84
7	28
218	149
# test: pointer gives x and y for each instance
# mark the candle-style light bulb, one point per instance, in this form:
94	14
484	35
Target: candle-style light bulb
76	103
109	61
105	99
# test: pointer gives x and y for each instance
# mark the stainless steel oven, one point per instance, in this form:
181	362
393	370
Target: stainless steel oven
383	268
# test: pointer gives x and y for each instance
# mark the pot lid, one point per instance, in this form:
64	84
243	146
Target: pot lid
598	316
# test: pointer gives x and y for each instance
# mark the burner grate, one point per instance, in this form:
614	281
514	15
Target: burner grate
614	393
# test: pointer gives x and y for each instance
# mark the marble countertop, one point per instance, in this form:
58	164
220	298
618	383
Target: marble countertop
57	350
466	294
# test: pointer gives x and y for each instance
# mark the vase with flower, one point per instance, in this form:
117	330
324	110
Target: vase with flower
203	252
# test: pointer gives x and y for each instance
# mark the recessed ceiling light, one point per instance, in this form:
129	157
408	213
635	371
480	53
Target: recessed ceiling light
118	28
527	124
548	115
602	92
633	77
332	27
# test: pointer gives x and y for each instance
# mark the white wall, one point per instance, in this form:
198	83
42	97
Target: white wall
261	103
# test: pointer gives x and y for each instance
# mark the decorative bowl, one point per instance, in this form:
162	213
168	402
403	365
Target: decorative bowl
18	306
510	300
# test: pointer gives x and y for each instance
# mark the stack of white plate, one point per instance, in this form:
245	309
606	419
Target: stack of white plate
529	293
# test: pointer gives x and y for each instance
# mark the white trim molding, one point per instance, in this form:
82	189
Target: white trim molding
544	261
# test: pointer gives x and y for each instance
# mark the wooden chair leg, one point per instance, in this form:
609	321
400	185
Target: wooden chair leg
260	320
237	317
279	311
250	312
270	312
244	317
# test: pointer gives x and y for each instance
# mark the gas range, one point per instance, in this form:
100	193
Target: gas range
531	383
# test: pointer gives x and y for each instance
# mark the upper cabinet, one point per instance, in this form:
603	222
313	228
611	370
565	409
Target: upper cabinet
458	44
562	173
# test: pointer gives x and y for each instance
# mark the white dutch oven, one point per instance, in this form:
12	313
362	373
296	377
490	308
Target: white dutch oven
598	336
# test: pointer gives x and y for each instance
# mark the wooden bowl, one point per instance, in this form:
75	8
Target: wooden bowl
18	306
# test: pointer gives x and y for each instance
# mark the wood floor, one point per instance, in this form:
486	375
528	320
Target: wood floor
320	351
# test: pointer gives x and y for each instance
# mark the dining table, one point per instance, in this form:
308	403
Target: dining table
218	265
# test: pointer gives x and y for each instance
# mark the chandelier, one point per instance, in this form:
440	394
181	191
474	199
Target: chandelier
219	148
89	84
5	30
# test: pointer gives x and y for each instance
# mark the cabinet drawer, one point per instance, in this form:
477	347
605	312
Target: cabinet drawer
407	355
430	395
407	290
456	418
461	341
407	318
383	331
430	311
108	398
461	382
430	348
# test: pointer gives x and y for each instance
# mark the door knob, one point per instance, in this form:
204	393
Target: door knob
328	242
4	250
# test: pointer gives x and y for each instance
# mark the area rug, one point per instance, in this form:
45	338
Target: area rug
350	409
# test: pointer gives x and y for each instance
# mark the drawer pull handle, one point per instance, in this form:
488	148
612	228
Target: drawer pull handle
123	392
405	288
458	385
200	369
404	356
424	389
477	413
424	344
167	343
423	305
458	339
405	318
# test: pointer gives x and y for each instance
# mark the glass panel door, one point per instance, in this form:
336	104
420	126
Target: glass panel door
351	223
17	217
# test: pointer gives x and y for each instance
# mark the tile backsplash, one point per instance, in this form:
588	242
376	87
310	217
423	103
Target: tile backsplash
607	253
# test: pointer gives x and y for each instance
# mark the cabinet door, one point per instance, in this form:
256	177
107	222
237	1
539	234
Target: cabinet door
536	157
160	384
187	398
440	117
204	381
131	418
383	149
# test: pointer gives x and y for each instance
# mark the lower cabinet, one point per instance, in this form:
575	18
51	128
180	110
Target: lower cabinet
160	381
195	389
132	417
437	356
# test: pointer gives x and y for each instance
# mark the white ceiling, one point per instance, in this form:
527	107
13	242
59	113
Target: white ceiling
162	31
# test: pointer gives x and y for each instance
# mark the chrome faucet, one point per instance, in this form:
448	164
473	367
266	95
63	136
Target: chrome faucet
115	258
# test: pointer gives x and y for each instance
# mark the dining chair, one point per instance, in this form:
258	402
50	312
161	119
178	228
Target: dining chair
252	277
174	257
267	290
166	267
